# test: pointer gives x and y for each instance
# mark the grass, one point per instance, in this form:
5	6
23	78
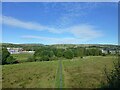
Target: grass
30	75
22	57
87	72
59	76
76	73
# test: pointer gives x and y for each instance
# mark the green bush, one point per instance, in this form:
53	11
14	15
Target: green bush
5	55
10	60
53	58
103	54
31	59
68	54
113	78
44	58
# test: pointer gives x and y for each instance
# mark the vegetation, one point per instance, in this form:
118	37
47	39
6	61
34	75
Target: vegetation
22	57
10	60
76	73
49	53
82	66
31	59
68	54
6	58
87	72
113	78
30	75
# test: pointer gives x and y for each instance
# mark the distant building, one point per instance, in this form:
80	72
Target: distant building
28	52
14	50
112	51
109	51
104	51
18	50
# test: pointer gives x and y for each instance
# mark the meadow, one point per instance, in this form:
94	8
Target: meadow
30	75
87	72
22	57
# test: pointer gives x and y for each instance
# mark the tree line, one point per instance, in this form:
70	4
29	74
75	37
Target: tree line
50	53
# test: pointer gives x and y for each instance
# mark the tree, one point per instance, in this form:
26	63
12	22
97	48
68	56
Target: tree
5	55
75	52
10	60
47	53
60	52
68	54
44	58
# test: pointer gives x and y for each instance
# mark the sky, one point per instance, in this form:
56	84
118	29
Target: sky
60	23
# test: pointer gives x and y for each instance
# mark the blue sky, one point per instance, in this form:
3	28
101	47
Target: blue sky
53	23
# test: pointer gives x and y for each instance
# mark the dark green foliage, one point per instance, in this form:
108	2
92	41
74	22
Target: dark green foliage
10	60
75	52
44	54
47	53
44	58
6	58
59	52
113	78
103	54
68	54
5	55
93	52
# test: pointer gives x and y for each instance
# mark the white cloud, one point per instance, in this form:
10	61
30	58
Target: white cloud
27	25
81	32
85	31
55	40
22	24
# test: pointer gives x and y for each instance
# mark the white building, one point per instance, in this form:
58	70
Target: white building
14	50
111	51
104	51
18	50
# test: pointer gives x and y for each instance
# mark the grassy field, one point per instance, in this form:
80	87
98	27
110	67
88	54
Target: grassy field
30	75
87	72
81	73
22	57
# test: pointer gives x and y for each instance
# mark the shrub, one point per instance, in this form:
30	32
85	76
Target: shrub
5	55
68	54
113	78
53	58
81	57
44	58
10	60
103	54
16	61
31	59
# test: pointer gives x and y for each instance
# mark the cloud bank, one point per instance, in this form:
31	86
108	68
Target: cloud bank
79	33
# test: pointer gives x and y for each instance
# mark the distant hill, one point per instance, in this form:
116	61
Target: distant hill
36	45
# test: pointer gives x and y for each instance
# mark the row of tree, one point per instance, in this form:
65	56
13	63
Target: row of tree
50	53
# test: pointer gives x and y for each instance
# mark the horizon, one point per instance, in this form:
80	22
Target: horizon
60	23
58	44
